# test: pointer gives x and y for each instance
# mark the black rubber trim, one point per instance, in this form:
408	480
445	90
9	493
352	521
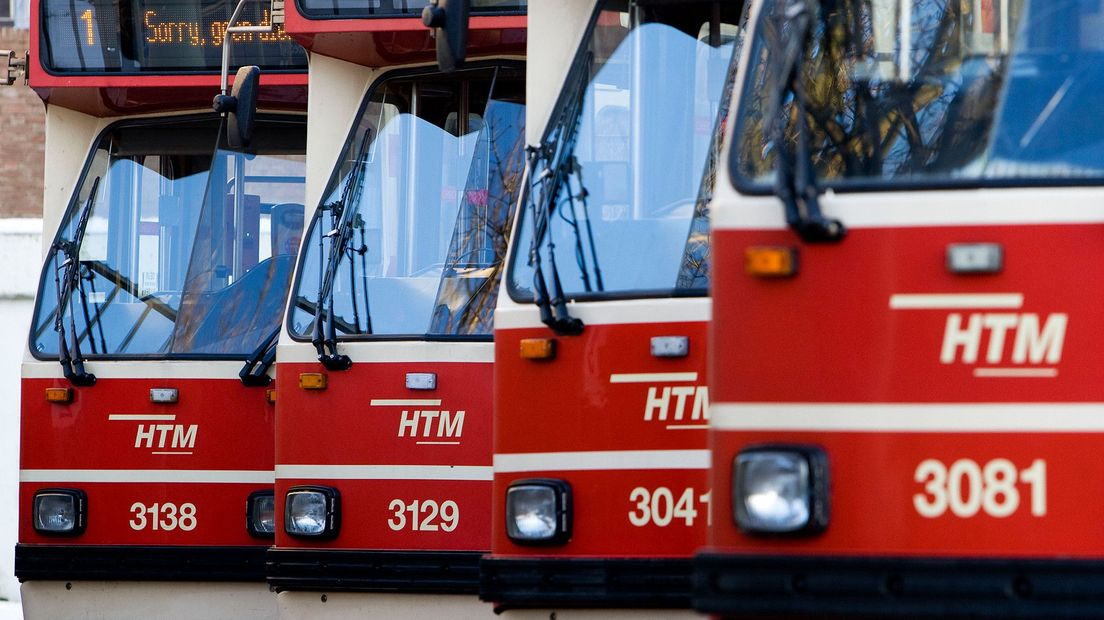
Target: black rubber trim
325	570
808	587
139	563
586	583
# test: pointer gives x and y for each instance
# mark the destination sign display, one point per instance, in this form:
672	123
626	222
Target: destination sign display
400	8
160	36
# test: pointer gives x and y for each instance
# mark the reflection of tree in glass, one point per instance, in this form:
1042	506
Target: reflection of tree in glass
871	113
469	286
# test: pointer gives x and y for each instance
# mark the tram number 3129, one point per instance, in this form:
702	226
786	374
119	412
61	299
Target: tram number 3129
967	488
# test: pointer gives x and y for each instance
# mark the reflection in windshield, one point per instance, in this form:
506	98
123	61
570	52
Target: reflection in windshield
186	252
653	92
935	91
437	186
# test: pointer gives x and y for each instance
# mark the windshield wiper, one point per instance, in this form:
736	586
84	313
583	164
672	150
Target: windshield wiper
255	371
557	152
69	355
324	335
795	180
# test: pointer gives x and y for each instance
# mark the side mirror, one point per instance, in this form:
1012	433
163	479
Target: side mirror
449	21
240	106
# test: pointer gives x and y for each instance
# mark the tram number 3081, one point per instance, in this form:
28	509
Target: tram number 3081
967	488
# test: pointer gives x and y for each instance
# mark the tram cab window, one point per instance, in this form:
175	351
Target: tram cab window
925	93
651	90
186	250
431	169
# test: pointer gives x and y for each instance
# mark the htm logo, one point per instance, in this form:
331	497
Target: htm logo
682	407
1033	339
1011	344
160	438
427	426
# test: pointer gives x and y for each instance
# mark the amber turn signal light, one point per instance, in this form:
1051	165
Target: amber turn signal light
538	348
770	261
312	381
60	395
270	396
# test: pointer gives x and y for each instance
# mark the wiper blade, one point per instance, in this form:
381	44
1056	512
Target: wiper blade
795	180
557	151
69	355
255	371
324	336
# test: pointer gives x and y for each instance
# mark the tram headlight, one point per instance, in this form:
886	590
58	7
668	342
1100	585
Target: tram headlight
260	514
60	512
780	490
538	512
312	512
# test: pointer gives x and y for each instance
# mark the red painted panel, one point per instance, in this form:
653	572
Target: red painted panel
341	426
219	425
604	509
570	404
372	517
830	335
234	426
873	489
113	519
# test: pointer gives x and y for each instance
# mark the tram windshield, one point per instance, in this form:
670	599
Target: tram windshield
618	205
185	250
421	205
927	93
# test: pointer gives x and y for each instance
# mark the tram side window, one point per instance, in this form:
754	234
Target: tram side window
176	239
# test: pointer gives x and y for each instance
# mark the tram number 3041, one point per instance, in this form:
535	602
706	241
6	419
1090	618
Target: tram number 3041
662	506
967	488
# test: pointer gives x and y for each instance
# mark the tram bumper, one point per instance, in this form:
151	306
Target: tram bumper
858	587
602	583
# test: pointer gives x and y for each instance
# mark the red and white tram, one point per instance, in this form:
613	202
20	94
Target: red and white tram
904	374
146	444
383	443
601	490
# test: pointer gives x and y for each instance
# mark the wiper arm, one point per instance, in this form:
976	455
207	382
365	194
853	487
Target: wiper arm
69	355
324	335
255	371
558	153
553	310
795	180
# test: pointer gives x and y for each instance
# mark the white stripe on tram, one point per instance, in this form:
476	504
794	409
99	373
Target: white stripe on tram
384	472
604	460
653	377
911	417
949	302
186	476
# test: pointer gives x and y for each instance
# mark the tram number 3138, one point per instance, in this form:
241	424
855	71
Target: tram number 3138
967	488
164	516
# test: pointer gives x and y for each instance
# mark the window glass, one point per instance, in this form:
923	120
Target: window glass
185	251
652	92
432	170
929	92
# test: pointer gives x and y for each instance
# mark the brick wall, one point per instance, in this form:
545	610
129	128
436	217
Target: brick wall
22	134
